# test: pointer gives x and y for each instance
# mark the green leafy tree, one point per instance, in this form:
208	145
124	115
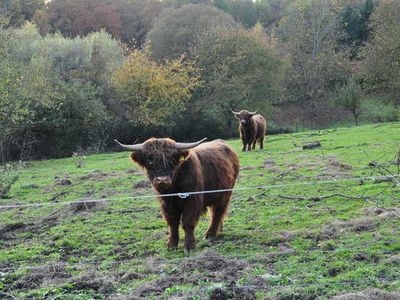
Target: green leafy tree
240	70
381	55
175	30
354	21
152	93
349	97
308	35
51	92
244	11
20	11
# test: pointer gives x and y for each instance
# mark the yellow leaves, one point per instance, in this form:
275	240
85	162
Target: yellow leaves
152	92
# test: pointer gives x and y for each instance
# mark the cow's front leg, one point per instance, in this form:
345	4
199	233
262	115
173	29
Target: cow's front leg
173	237
190	217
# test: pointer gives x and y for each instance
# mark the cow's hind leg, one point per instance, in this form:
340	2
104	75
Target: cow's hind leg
217	219
254	144
262	143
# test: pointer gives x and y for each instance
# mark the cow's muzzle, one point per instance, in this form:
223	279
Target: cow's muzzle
162	181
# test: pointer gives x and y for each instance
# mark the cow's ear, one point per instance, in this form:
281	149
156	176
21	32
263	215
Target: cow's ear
137	157
183	154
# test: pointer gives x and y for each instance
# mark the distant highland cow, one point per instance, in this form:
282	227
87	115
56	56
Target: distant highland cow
174	167
252	127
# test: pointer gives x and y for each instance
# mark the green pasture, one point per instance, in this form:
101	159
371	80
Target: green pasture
278	242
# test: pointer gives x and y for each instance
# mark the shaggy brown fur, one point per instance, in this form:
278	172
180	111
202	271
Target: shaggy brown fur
209	166
252	128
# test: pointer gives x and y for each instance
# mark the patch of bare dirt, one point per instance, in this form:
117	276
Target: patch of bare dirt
288	236
9	228
63	181
157	287
97	176
369	294
271	165
39	275
332	162
294	295
383	213
142	184
85	206
232	291
333	229
394	259
132	171
214	266
129	276
124	297
335	169
93	281
207	266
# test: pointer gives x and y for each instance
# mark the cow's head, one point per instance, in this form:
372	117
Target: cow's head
161	158
244	116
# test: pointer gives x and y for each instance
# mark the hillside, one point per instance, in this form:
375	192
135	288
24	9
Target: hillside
316	232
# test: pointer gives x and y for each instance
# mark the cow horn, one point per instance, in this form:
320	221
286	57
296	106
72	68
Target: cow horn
235	113
183	146
253	113
136	147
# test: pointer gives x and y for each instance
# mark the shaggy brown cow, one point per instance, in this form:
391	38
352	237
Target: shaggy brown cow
252	127
188	167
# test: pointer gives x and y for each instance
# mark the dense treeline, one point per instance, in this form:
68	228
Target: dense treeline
74	74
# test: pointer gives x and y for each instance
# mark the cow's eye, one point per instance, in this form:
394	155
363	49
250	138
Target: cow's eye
182	158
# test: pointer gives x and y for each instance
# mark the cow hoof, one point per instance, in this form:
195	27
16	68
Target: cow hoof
211	237
189	249
172	245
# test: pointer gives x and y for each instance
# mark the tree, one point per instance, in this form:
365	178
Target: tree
52	92
381	54
20	11
152	93
349	97
176	29
179	3
240	70
126	20
354	21
243	12
308	37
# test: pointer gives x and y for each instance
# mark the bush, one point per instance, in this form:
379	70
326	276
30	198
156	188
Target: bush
7	179
379	111
54	92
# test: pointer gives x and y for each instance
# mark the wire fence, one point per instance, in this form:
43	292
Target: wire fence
184	195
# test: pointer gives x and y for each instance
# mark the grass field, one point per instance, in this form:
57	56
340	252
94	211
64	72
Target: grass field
287	242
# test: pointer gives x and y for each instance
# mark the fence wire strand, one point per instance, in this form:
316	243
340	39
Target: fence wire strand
184	195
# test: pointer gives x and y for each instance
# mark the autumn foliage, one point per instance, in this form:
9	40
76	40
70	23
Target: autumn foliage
152	93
